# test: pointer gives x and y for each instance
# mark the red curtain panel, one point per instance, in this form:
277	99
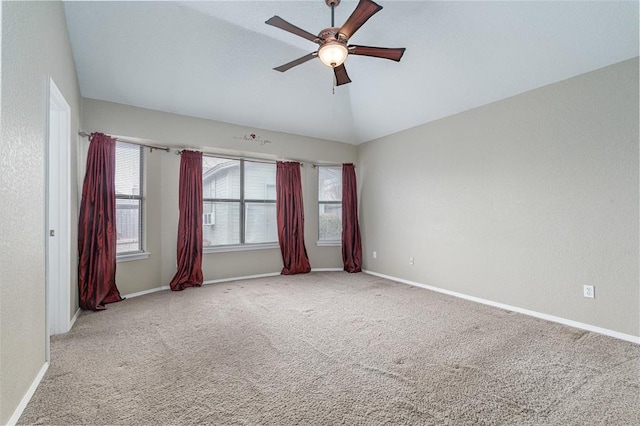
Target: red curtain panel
189	272
290	214
351	245
97	227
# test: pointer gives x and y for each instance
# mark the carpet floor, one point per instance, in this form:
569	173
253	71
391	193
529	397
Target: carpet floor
330	349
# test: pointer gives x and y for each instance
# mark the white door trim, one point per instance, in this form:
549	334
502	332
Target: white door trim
58	247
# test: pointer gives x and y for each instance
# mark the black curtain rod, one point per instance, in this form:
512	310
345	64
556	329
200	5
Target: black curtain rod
329	165
240	157
152	147
206	154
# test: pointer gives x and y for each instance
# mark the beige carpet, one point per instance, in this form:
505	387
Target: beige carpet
330	349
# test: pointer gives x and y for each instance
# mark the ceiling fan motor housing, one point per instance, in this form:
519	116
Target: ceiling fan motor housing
331	33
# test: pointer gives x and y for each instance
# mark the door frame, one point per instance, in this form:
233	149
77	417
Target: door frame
58	217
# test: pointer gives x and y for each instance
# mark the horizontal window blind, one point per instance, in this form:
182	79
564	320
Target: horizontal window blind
129	198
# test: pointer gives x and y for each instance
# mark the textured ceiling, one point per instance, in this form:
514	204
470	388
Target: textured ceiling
214	59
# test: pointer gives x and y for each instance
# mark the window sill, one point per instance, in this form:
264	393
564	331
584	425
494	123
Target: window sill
329	243
132	256
240	247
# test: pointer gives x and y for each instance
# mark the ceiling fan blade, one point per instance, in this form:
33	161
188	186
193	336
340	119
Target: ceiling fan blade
365	10
341	75
395	54
305	58
278	22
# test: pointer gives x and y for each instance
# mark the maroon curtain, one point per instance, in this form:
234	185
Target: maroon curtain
290	214
97	227
351	245
189	272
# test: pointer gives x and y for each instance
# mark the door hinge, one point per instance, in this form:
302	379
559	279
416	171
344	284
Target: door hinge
52	232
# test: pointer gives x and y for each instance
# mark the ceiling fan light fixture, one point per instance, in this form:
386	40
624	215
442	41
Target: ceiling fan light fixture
333	53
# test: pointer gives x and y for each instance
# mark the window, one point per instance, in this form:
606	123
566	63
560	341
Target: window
129	196
329	203
239	202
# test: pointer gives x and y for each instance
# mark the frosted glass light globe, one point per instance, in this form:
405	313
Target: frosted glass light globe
333	53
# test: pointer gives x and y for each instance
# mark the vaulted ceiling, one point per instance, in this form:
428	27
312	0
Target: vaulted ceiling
214	59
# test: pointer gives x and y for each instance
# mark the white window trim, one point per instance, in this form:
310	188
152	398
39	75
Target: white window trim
240	247
128	257
139	255
329	243
319	242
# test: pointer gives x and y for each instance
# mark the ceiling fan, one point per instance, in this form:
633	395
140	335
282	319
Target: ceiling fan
333	41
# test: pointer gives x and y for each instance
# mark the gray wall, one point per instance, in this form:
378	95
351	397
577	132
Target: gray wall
34	46
522	201
162	188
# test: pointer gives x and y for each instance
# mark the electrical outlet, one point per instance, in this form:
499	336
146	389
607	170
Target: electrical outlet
411	261
375	254
589	291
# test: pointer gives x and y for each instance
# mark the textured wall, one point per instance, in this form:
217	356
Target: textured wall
162	188
522	201
34	46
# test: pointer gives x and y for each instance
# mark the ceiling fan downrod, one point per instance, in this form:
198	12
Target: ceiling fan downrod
332	4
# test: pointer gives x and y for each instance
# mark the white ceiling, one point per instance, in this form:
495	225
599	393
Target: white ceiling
214	59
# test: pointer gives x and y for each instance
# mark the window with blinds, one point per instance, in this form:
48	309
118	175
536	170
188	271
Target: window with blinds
129	197
329	203
239	202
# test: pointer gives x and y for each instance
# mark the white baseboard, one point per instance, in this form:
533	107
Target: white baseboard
142	293
552	318
224	280
73	320
221	280
27	396
269	274
246	277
